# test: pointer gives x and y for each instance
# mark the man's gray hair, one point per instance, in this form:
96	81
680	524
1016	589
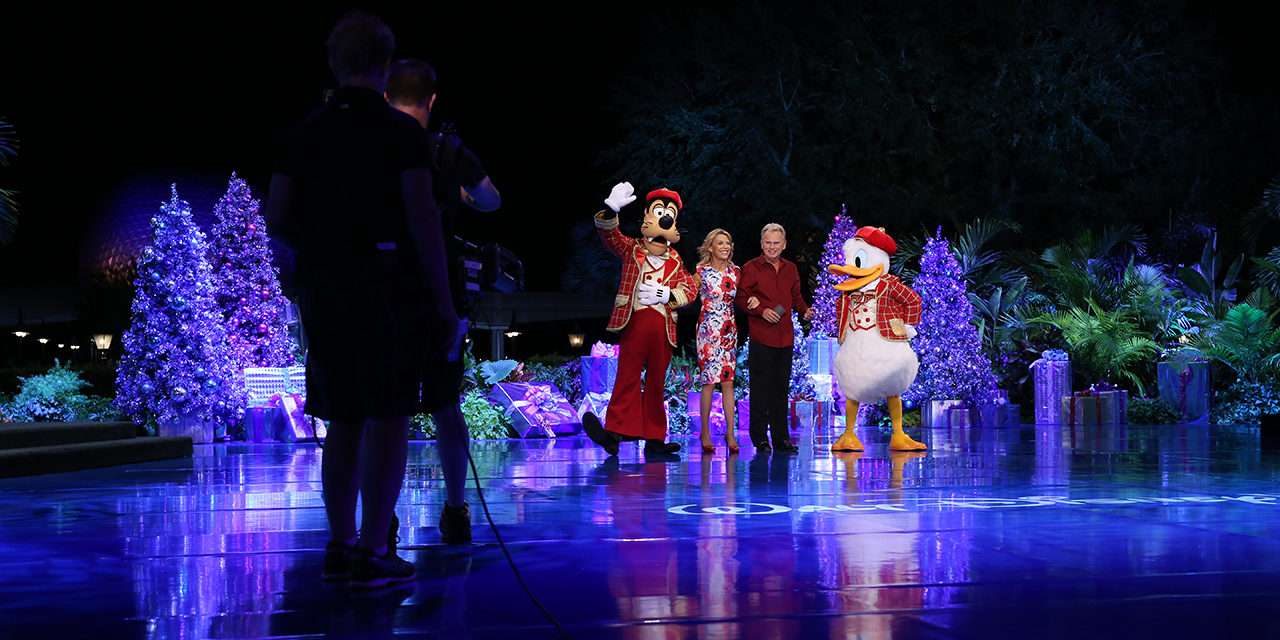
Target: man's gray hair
773	226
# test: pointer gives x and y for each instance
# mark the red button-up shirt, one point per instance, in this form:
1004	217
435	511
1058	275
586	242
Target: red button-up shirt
773	287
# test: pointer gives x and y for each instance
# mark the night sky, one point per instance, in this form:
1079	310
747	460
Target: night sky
100	95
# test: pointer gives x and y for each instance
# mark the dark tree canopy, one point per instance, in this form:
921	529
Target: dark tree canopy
1055	117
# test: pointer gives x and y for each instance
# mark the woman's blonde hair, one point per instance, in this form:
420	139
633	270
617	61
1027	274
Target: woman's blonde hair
704	251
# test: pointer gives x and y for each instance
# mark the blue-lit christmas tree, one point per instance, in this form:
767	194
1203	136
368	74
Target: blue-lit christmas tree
952	363
801	385
176	364
247	282
824	292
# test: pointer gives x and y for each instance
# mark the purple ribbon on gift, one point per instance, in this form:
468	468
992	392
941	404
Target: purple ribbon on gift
1184	378
604	350
542	405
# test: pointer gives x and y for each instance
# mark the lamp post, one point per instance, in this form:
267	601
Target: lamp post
102	341
20	334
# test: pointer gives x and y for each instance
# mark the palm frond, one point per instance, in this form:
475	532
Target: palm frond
1269	271
8	144
8	197
1271	199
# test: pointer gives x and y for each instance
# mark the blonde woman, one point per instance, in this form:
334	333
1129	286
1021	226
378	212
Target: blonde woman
716	278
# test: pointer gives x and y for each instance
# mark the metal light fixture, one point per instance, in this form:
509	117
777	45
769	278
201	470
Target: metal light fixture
577	340
21	334
102	341
43	341
75	347
62	345
513	334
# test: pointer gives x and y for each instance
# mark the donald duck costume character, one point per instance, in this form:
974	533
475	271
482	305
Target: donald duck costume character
876	317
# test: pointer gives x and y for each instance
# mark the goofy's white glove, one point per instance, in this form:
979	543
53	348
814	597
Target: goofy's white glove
650	294
622	195
911	331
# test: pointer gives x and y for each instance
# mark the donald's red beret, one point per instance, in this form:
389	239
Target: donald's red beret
876	237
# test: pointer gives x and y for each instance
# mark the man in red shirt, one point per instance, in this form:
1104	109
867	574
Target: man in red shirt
768	292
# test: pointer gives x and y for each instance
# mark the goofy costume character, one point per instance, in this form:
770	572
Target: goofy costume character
654	284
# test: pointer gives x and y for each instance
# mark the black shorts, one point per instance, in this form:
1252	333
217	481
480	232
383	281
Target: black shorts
441	385
366	346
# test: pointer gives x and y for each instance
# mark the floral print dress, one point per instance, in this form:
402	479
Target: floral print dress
717	330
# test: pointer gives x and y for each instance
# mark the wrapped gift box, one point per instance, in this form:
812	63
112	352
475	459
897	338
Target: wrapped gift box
936	413
1051	375
598	374
537	409
693	409
961	416
823	386
822	352
987	414
263	383
1114	406
808	414
1187	389
604	350
1011	415
1089	408
1000	413
257	424
594	403
288	418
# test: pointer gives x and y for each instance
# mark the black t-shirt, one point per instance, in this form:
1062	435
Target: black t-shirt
345	161
453	166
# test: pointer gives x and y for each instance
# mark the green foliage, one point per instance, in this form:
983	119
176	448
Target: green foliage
485	421
1269	269
493	372
8	197
1147	293
566	376
877	415
1245	402
1009	338
1105	345
1090	267
682	377
742	375
483	374
1246	341
1262	298
1152	411
983	268
1210	285
678	420
57	396
422	427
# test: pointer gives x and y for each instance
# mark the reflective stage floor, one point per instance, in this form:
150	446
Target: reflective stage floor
1031	532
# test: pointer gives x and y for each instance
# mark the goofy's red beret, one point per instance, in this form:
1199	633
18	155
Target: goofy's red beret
665	194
